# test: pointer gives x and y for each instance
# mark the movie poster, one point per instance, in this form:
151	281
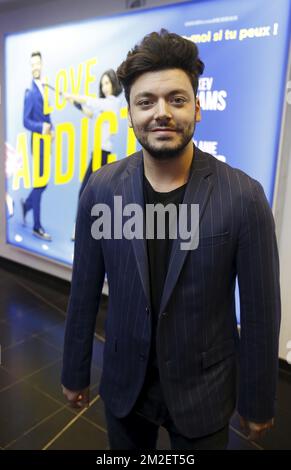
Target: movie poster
66	115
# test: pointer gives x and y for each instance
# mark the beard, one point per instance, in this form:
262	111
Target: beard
167	150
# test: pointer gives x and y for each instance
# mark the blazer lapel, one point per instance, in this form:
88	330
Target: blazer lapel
132	193
198	190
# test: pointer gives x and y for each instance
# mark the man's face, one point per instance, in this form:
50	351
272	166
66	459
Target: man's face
36	66
163	112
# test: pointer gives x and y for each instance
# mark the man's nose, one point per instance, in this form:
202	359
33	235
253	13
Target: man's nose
162	110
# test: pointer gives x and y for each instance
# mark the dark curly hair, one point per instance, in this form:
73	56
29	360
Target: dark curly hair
160	51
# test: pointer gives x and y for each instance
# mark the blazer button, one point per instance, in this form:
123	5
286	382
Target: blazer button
142	357
147	310
164	314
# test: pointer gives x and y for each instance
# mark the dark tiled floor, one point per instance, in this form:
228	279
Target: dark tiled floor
34	414
28	357
38	436
6	379
93	438
22	407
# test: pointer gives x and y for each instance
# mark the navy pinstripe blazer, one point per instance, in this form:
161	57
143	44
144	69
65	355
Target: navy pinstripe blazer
199	352
33	116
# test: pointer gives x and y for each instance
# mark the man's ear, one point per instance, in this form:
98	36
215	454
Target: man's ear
129	117
197	110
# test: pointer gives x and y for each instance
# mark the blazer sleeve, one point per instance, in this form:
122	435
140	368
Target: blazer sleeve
260	307
28	121
87	282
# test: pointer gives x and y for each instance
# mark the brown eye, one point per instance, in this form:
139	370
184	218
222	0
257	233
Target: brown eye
178	100
144	103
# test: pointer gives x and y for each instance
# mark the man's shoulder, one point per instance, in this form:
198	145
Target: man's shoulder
32	91
110	175
232	177
28	92
235	185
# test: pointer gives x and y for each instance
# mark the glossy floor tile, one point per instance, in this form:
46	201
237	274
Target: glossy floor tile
43	432
28	357
33	411
22	407
6	379
71	439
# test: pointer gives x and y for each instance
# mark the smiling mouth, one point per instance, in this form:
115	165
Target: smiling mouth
163	129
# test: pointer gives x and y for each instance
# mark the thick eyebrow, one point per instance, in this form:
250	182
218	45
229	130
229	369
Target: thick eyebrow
147	94
144	95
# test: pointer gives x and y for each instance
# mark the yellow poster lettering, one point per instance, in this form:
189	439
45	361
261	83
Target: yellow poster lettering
89	77
61	86
23	172
83	147
76	82
111	118
41	176
112	157
130	140
47	109
65	128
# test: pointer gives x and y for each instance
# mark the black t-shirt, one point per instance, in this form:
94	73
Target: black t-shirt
159	250
151	402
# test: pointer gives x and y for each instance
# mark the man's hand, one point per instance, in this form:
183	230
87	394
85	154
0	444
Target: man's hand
77	399
68	97
46	128
255	430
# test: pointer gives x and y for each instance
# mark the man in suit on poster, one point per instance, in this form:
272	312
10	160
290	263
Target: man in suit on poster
36	121
172	352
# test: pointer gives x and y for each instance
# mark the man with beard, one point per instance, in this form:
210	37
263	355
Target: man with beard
172	345
36	121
